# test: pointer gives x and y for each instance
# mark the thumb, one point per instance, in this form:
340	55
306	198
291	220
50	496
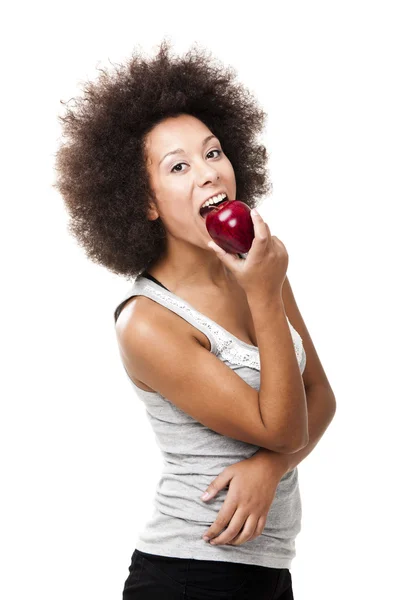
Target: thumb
228	259
218	484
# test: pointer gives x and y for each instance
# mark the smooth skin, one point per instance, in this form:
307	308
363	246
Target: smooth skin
181	182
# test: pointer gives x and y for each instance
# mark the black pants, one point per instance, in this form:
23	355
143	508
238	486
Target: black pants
169	578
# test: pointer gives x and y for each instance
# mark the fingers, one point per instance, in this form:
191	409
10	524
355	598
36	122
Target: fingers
248	532
261	229
223	518
234	527
240	530
260	527
229	260
262	237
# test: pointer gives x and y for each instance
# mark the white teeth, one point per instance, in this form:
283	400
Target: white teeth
214	200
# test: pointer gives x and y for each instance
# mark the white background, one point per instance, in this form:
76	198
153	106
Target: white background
79	460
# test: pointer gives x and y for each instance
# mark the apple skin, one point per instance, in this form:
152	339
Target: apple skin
231	227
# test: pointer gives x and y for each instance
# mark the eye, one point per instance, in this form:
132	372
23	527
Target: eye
219	151
180	171
173	168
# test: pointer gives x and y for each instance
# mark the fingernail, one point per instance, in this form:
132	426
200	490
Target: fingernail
254	211
205	538
205	496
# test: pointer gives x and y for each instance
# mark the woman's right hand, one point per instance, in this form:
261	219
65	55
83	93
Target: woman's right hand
264	268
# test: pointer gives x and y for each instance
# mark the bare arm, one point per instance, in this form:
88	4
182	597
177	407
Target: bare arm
321	405
282	398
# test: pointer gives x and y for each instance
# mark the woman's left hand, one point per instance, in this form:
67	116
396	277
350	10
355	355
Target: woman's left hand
252	486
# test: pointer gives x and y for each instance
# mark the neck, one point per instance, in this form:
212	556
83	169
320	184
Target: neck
197	276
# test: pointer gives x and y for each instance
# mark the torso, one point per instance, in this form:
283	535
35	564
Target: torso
231	312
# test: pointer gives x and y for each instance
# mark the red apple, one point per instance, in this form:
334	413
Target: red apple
231	227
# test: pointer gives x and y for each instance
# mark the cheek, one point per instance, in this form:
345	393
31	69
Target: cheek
178	201
178	192
177	215
227	170
231	171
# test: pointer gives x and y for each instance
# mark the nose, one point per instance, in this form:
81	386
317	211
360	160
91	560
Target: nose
206	174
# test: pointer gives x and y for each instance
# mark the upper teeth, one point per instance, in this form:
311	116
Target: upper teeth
213	200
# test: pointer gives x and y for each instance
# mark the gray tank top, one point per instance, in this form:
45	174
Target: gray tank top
194	455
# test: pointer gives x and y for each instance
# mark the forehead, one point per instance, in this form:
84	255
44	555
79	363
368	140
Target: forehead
175	132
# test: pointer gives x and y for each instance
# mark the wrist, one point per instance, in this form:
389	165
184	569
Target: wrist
278	463
260	299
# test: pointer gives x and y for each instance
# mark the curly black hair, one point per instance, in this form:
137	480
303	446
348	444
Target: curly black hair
101	165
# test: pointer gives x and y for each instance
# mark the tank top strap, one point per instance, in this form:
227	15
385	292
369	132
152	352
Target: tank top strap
222	343
148	276
147	285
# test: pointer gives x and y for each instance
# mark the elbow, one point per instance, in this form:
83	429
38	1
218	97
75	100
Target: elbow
294	445
293	449
292	442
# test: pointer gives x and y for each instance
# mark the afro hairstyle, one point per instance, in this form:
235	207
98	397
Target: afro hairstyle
100	164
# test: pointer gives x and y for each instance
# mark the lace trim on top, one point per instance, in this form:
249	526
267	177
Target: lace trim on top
223	343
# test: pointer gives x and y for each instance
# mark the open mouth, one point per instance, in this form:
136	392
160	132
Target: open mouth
207	209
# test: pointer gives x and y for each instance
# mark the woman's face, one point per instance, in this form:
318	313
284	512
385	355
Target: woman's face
186	166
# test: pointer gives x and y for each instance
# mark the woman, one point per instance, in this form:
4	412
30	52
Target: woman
146	147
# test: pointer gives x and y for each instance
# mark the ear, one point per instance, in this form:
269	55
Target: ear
152	212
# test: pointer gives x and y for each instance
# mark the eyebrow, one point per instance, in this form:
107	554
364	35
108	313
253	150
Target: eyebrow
180	149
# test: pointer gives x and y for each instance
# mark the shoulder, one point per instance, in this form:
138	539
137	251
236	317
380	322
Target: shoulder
146	316
141	314
141	324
